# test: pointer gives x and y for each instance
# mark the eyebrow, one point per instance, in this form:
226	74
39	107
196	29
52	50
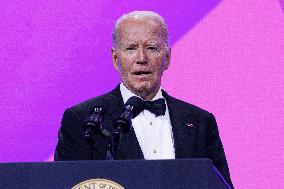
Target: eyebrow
152	44
130	44
135	44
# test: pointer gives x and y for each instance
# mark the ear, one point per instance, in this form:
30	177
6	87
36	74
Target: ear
168	59
114	58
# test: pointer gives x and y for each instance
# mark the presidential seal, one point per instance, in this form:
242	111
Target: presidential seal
98	184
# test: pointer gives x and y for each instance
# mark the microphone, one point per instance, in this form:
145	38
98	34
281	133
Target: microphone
123	123
95	127
94	124
132	109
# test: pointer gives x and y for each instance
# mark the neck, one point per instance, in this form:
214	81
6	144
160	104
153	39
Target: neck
145	94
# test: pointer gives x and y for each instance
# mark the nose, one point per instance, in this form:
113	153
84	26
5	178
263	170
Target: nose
142	57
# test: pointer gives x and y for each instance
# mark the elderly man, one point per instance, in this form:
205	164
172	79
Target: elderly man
141	53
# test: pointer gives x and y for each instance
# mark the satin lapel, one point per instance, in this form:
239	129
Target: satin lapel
183	128
129	146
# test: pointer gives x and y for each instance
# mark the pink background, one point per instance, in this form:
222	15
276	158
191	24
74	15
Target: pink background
227	57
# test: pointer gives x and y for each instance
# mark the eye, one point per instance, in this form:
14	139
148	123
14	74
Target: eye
152	48
130	48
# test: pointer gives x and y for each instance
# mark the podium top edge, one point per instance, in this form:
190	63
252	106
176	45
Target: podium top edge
113	161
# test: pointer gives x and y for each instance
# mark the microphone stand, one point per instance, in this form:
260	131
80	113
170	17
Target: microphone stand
94	127
121	125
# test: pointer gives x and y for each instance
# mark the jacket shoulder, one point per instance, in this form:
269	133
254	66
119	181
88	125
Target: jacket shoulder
84	109
90	103
186	107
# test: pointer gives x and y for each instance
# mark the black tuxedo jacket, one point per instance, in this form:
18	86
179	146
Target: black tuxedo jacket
194	130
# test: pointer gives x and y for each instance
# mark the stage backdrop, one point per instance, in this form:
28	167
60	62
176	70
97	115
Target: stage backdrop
227	57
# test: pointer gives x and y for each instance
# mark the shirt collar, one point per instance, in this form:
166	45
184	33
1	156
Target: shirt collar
126	93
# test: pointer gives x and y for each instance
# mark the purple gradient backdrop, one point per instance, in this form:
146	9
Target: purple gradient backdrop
227	58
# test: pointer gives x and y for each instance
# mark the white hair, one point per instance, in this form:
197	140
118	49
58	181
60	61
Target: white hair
140	15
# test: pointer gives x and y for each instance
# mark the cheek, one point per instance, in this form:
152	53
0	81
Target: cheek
124	68
159	67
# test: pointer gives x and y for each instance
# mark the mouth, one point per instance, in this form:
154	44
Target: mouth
141	73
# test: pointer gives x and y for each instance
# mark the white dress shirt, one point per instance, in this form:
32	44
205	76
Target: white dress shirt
154	134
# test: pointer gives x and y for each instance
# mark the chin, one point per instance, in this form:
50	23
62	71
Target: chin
145	86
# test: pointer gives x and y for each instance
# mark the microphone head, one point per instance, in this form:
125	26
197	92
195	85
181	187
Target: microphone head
136	103
132	107
95	123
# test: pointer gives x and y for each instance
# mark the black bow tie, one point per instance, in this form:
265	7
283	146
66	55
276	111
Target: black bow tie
157	107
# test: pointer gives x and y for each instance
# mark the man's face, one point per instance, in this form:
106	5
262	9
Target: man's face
141	55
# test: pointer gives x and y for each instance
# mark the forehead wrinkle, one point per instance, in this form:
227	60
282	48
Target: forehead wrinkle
142	16
130	30
153	23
